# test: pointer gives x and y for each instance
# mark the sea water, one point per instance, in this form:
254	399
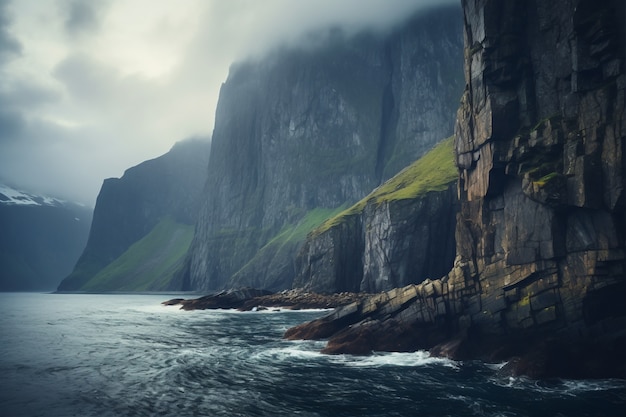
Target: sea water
127	355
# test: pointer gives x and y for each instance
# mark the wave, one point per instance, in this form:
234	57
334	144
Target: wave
297	350
403	359
310	350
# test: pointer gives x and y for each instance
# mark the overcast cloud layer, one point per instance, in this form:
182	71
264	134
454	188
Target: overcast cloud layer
89	88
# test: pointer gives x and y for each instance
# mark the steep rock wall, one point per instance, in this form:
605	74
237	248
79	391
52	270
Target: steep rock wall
401	233
540	266
408	241
540	147
317	128
128	208
332	260
385	246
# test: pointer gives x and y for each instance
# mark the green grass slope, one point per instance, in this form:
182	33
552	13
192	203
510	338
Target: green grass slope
149	264
269	268
435	171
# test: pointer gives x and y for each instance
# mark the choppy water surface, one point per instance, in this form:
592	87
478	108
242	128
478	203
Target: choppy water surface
126	355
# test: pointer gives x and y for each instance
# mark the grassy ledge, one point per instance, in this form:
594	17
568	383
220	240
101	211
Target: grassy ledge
432	172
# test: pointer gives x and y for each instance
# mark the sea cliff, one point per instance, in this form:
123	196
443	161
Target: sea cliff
305	132
401	233
539	274
143	224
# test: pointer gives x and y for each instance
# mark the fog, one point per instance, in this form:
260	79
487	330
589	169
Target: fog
89	88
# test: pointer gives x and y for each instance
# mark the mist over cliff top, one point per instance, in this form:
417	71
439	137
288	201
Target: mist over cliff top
90	88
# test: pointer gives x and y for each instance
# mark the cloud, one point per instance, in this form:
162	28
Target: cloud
89	88
248	27
9	46
11	125
83	16
86	79
38	161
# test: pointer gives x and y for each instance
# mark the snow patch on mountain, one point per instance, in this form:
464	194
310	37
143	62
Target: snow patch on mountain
11	196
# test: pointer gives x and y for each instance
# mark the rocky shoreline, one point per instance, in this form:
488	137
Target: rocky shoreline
249	299
359	319
539	274
411	319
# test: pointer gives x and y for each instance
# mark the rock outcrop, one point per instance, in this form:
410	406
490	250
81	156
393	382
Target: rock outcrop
540	268
401	233
163	191
317	128
250	299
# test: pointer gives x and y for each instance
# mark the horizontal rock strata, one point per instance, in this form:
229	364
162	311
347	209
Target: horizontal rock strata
540	268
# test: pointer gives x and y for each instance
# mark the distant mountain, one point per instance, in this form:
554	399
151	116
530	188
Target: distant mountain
143	223
40	239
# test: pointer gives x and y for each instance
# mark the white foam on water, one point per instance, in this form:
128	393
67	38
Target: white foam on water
407	359
311	350
297	350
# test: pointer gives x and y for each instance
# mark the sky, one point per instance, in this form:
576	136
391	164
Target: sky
89	88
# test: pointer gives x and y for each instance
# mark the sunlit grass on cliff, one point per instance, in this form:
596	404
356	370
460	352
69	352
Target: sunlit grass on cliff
435	171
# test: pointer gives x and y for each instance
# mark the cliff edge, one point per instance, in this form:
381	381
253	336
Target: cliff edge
539	275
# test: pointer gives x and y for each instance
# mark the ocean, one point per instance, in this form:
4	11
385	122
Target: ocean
127	355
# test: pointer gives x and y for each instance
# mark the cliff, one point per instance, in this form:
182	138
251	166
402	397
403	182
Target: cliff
143	223
40	239
539	274
306	131
401	233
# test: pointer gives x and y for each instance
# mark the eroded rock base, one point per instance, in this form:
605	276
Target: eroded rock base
419	317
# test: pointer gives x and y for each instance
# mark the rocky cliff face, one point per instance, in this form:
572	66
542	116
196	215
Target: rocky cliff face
540	266
129	208
40	239
316	128
402	233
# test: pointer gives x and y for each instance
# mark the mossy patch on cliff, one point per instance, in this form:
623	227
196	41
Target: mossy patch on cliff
541	182
149	264
435	171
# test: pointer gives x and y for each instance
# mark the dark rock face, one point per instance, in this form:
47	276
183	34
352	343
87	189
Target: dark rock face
407	241
540	267
316	128
332	261
128	208
388	245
